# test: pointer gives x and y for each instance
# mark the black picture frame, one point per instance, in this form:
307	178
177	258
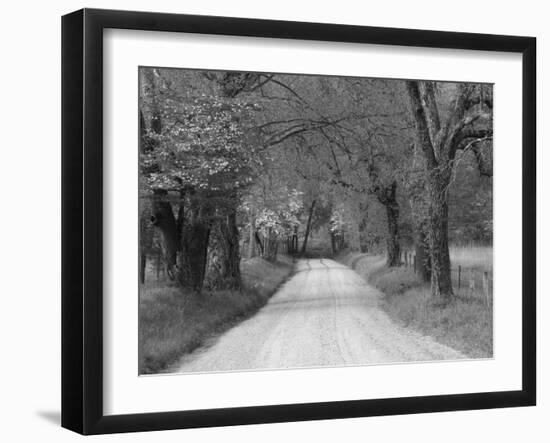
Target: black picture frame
82	220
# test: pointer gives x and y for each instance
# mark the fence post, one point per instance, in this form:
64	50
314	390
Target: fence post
414	263
486	286
459	274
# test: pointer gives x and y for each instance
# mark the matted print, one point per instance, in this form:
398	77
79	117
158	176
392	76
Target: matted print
299	221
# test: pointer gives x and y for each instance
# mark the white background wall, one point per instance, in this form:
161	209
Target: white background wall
30	221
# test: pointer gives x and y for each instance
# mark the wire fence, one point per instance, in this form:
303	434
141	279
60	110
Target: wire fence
466	281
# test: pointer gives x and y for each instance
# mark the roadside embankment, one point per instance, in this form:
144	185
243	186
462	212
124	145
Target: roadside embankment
173	322
465	324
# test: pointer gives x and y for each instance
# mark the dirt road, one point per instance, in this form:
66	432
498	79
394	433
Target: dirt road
325	315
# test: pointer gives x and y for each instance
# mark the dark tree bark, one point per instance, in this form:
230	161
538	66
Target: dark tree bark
232	257
341	237
363	239
308	227
438	238
142	250
422	252
163	219
180	219
215	257
223	264
147	143
194	245
142	266
387	196
145	240
392	242
267	245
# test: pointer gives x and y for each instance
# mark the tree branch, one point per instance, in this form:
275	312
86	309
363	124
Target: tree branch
427	96
465	129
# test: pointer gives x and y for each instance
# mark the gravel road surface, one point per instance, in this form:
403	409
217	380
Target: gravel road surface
325	315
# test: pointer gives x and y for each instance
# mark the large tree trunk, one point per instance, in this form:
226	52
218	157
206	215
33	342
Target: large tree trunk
388	198
308	227
163	219
232	256
422	253
441	283
215	257
271	246
145	240
223	264
438	143
194	245
145	243
259	243
341	240
267	245
392	242
363	235
142	266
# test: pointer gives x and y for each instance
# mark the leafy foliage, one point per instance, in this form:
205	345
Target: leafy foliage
203	144
267	146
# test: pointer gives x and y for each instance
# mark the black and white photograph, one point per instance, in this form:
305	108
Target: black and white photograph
293	221
271	222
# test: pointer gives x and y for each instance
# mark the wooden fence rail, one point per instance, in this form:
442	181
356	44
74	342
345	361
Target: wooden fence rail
470	282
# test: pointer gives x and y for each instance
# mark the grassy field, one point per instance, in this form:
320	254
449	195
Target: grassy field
466	324
472	256
173	323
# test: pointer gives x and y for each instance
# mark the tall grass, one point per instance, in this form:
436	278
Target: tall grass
466	324
173	322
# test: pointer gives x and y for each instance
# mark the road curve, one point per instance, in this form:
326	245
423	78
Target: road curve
325	315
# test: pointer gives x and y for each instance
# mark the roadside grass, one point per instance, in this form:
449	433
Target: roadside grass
173	323
466	324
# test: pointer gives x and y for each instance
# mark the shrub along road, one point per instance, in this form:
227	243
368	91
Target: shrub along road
325	315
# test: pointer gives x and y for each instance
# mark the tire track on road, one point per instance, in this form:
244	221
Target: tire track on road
325	315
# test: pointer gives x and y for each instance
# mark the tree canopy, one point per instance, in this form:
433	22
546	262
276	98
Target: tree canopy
269	163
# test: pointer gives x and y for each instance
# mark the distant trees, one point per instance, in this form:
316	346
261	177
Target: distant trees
272	209
372	143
